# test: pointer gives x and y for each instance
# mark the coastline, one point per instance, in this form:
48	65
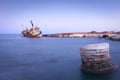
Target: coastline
83	34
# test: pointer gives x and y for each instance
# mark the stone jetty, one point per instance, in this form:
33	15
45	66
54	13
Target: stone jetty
96	59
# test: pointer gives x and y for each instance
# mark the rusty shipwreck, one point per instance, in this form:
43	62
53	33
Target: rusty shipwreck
33	32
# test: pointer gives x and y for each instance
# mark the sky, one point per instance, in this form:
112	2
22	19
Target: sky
57	16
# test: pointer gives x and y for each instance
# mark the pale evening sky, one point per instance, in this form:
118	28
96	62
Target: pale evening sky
56	16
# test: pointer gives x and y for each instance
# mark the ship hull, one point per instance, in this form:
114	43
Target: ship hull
28	34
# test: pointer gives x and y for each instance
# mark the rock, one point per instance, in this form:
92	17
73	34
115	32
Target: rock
96	59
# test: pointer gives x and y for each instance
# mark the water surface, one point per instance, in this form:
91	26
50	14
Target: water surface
49	58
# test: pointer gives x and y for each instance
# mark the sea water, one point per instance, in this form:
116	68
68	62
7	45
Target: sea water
49	58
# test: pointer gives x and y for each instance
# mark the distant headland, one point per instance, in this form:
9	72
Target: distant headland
83	34
106	34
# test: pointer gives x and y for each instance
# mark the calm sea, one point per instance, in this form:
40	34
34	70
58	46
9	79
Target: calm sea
49	58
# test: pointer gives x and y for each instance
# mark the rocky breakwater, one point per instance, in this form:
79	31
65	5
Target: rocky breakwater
115	37
96	59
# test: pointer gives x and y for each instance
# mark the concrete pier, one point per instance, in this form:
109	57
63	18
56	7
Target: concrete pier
96	58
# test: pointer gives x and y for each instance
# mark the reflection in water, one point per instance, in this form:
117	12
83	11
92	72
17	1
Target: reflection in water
108	76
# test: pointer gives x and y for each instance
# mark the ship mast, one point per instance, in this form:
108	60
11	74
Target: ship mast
32	24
